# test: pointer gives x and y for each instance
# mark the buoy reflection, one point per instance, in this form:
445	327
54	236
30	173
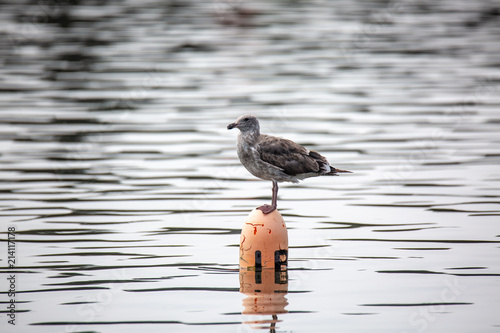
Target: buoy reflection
265	292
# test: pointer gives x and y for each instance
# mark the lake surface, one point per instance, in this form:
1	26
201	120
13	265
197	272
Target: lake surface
127	197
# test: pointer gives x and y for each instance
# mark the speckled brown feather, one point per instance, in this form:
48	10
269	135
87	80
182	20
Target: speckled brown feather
289	156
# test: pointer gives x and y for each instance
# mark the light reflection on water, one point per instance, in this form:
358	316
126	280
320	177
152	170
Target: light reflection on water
127	196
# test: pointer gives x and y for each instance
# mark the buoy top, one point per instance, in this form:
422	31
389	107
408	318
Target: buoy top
258	215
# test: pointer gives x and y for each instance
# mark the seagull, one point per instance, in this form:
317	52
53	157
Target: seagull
276	159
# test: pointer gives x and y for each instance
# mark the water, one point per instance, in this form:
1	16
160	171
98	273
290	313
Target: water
127	197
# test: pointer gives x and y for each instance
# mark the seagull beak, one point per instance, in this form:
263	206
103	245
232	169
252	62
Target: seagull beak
231	126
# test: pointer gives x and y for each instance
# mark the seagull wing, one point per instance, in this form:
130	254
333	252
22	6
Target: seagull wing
291	157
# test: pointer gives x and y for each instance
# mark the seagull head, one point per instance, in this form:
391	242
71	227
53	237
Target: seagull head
245	123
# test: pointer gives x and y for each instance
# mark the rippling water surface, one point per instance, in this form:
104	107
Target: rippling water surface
127	197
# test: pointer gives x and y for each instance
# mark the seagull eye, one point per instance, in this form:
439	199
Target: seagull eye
246	119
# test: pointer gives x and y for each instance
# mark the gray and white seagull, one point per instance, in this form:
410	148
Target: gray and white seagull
278	160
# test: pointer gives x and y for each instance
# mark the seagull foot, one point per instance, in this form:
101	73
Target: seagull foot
266	209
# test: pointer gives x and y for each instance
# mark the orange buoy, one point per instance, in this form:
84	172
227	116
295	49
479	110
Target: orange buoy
264	242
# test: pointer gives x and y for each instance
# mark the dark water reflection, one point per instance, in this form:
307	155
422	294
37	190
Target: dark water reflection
127	197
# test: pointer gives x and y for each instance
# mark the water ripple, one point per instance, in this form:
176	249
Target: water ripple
121	180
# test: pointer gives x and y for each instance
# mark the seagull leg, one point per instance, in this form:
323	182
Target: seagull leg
274	200
266	209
